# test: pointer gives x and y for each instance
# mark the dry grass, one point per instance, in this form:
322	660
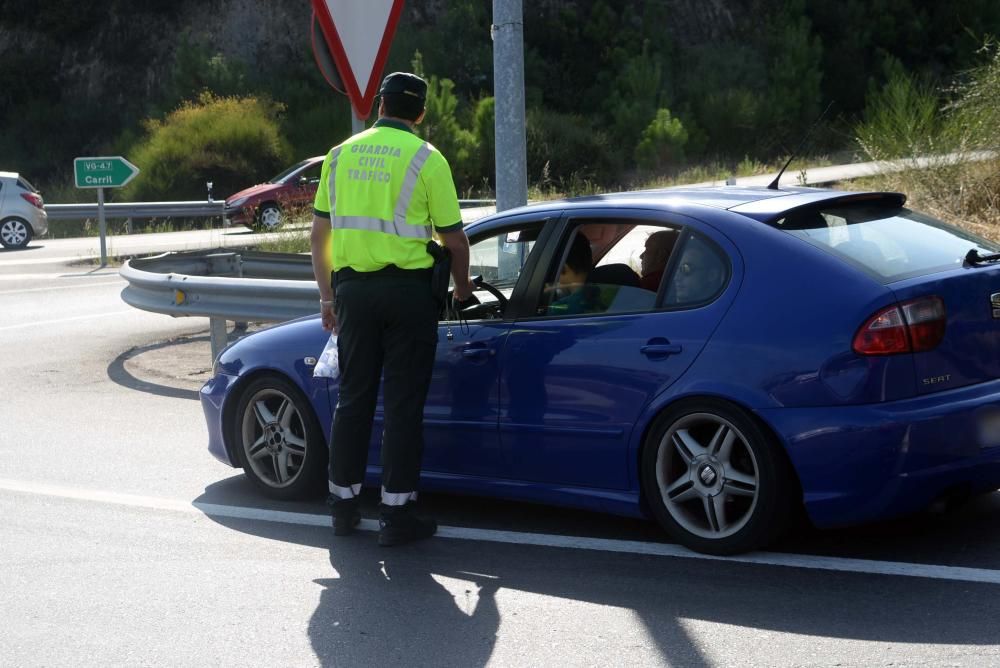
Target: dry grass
966	195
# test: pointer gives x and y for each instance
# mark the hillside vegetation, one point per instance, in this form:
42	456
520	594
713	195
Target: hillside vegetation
618	92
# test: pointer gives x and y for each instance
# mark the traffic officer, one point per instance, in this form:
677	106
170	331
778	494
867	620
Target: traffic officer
381	194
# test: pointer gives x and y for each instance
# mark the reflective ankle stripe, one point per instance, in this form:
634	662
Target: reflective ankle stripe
345	492
397	498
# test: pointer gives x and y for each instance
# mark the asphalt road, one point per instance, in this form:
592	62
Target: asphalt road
125	544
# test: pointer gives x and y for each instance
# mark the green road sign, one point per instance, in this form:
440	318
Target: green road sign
108	172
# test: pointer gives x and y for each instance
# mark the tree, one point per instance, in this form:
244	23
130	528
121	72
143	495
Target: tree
662	142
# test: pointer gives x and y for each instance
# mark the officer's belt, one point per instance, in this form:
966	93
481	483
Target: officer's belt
347	274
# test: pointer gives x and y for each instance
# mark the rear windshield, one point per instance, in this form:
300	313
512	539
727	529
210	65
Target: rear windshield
23	182
890	243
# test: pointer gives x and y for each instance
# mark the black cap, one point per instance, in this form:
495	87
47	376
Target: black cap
404	83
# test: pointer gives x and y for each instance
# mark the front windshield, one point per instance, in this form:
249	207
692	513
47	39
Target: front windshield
291	170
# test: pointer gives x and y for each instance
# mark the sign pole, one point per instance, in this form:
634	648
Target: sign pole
357	124
508	91
102	226
103	172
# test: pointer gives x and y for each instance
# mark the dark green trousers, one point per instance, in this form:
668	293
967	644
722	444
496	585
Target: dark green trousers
387	326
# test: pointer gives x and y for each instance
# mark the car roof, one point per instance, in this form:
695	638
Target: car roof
9	175
757	202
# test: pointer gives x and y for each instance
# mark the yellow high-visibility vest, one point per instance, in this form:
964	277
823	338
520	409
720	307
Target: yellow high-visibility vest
384	190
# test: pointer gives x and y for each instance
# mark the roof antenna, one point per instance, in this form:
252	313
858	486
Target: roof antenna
774	184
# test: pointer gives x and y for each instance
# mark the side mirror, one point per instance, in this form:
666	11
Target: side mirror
303	181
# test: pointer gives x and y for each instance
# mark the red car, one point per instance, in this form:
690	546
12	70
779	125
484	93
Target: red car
263	206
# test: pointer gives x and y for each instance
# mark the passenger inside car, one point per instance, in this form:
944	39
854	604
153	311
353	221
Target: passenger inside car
654	258
577	295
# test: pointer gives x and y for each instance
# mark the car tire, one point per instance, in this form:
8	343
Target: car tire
269	217
715	480
15	233
277	439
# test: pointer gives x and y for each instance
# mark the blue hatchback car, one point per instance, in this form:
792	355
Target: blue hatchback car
721	358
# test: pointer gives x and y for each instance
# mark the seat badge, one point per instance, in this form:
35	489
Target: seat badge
995	303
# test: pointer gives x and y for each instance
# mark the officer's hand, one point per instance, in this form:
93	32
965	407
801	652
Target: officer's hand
461	304
328	317
463	292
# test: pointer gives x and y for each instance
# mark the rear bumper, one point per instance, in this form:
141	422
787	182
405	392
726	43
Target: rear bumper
213	395
864	463
39	223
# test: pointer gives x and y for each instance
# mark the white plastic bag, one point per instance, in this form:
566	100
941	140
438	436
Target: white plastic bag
328	365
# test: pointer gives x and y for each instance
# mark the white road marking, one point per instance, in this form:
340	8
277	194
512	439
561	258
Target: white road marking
59	275
36	323
861	566
59	259
61	287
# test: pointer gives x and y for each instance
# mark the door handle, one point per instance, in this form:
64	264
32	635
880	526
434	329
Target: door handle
660	349
476	353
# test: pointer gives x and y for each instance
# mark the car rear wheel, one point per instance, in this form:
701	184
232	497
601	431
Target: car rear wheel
278	439
269	217
15	233
715	480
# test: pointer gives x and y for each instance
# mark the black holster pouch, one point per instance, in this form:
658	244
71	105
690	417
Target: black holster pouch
440	274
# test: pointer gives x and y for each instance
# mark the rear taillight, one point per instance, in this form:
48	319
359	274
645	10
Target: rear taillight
911	327
33	199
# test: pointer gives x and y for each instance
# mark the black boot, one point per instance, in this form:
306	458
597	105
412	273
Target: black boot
398	525
346	515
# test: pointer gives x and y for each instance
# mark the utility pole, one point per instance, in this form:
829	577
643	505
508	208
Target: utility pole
508	92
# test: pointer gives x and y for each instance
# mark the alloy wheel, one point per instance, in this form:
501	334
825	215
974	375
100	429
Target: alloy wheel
707	475
273	438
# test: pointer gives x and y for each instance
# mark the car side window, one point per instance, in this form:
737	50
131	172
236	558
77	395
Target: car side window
609	266
498	258
699	275
311	175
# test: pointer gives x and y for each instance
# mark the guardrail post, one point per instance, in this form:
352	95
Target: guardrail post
217	330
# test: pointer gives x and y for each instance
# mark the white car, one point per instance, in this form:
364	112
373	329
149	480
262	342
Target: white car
22	211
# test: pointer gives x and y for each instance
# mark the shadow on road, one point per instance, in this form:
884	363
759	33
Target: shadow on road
4	249
446	602
174	368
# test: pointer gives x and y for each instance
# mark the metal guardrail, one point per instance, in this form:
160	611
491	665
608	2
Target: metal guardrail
79	211
223	285
202	209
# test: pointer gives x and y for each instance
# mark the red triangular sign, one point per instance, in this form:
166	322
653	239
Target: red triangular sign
359	33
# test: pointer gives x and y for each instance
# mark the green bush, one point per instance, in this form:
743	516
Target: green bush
974	116
484	127
441	127
901	118
903	121
565	149
662	143
233	142
794	74
634	97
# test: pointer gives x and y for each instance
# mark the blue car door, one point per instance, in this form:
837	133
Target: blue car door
461	412
460	416
573	381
